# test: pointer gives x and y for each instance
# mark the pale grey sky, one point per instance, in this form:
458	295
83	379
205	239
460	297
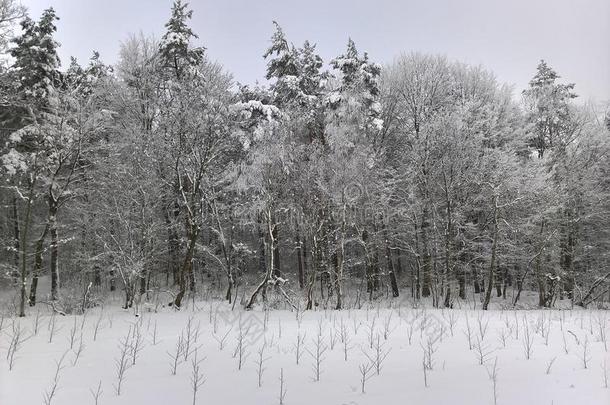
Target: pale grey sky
508	37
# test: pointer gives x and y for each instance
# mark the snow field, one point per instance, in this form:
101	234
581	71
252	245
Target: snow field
424	356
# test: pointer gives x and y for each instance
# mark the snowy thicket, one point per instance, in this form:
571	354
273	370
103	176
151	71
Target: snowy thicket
328	184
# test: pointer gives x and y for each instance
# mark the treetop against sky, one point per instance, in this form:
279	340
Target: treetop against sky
508	38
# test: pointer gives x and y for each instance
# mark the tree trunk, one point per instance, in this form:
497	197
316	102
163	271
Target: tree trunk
230	284
143	277
312	278
498	282
227	251
539	276
340	261
476	284
277	270
376	270
492	265
172	245
426	257
541	283
506	282
269	273
390	264
397	254
462	284
376	275
416	270
37	264
305	261
24	244
300	260
187	264
262	261
566	259
17	239
191	276
448	250
54	247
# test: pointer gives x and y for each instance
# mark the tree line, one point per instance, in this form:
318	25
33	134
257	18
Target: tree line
331	185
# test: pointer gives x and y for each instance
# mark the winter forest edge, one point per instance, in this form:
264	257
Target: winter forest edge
161	188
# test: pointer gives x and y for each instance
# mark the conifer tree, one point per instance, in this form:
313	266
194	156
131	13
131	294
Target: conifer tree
36	59
549	108
176	49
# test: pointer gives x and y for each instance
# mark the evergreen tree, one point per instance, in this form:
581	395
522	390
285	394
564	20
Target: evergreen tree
36	60
299	84
284	56
348	64
548	103
311	78
359	89
175	47
82	81
283	68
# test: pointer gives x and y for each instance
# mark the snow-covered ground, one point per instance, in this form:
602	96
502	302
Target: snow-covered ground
560	343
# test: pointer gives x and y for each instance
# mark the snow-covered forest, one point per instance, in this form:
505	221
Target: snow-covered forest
362	215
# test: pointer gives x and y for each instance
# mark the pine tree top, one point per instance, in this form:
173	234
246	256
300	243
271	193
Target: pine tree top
546	77
283	61
36	59
175	46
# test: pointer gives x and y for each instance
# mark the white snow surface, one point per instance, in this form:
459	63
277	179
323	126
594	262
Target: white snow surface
456	376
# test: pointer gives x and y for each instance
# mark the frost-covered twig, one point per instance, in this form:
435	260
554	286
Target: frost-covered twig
425	369
528	339
72	334
467	333
345	339
387	326
379	354
191	335
153	334
483	325
260	364
429	349
137	341
98	323
36	322
365	374
241	349
17	337
550	364
317	354
122	363
282	396
176	355
482	351
79	350
53	329
493	376
52	391
298	346
221	339
585	357
197	377
97	393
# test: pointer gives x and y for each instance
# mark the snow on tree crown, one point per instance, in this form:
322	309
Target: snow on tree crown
175	46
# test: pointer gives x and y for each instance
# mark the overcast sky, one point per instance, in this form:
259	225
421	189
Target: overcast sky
508	37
